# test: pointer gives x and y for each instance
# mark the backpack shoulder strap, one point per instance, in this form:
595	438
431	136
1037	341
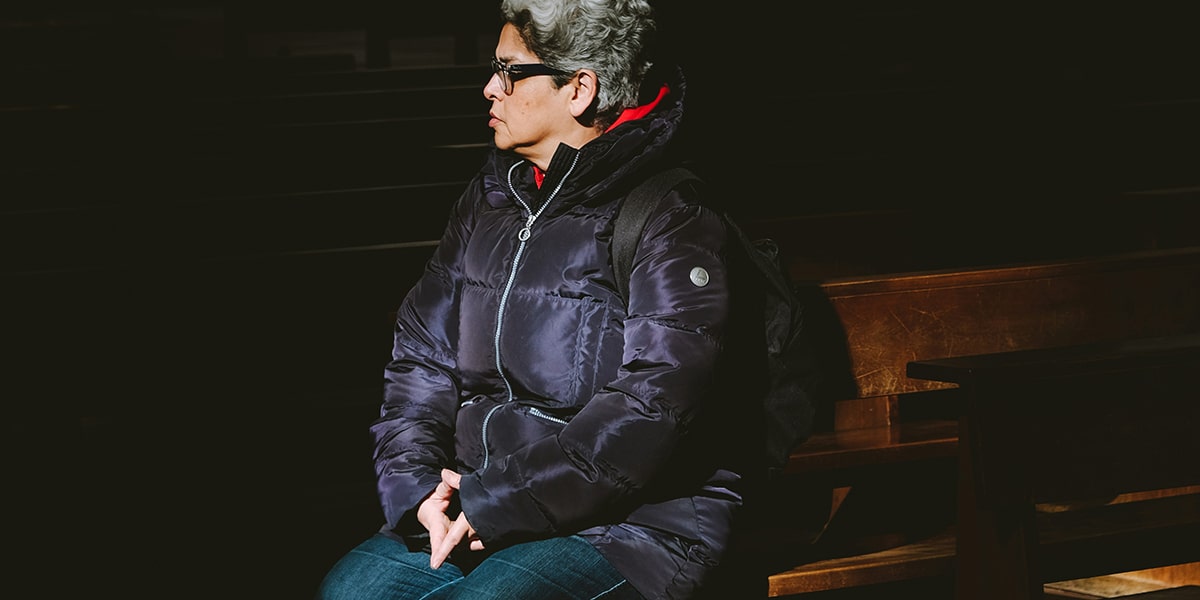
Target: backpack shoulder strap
632	216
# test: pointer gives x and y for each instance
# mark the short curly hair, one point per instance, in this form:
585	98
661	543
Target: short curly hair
610	37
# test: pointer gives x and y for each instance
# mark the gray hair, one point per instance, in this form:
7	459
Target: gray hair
610	37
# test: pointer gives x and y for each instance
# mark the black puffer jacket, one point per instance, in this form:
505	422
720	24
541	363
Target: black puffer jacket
517	363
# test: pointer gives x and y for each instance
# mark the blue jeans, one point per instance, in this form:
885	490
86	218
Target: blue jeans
566	568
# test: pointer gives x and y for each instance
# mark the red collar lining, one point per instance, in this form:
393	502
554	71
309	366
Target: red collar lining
629	114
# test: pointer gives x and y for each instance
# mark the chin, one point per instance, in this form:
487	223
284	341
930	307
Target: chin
502	142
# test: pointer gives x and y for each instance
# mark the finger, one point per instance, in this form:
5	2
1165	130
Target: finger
451	478
443	491
437	533
441	550
453	536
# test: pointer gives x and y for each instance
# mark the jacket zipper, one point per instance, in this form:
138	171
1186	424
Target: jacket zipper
523	236
538	413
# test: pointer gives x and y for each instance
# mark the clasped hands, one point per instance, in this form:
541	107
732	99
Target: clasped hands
445	534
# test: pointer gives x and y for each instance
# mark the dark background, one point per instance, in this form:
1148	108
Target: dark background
209	213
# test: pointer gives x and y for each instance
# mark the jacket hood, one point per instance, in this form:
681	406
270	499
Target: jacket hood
611	163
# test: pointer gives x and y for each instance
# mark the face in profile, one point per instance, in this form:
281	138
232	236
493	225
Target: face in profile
528	112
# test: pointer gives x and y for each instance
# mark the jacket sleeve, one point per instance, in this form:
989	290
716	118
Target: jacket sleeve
414	435
624	438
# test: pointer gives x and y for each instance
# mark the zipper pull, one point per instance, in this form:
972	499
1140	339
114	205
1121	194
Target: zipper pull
523	235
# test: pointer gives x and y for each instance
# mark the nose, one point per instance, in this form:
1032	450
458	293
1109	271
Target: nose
494	88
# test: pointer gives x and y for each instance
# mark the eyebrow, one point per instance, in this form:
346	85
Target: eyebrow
508	60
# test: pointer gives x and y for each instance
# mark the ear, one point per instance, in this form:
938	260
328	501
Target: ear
585	88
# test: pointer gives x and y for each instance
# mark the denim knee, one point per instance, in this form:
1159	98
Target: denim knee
383	567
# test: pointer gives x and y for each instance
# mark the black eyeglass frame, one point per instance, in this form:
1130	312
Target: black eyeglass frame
511	74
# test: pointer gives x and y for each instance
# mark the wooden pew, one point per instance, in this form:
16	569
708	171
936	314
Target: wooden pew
217	177
314	107
336	81
465	24
186	99
1086	431
66	141
890	442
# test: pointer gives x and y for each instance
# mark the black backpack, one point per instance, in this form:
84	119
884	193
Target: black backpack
781	352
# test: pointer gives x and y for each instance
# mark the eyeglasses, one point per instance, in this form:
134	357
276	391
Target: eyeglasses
510	74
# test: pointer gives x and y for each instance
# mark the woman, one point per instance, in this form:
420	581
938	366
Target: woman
539	438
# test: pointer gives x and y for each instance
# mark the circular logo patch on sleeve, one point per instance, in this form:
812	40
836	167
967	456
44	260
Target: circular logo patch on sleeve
699	276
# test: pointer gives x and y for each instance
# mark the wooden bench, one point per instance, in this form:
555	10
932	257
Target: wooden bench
1077	461
338	81
890	442
468	26
314	107
311	177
